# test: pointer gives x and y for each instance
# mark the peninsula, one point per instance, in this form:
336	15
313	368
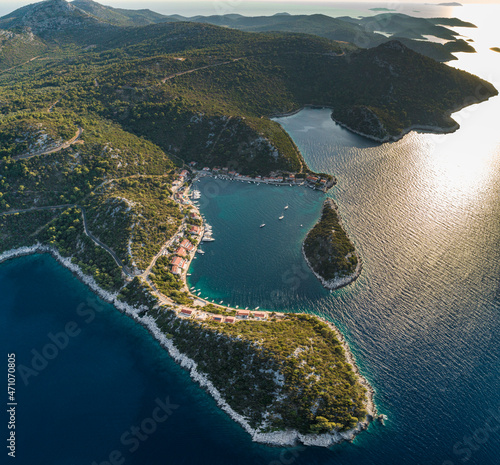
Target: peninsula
104	121
329	252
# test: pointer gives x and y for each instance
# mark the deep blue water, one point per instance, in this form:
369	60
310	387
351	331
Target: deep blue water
423	319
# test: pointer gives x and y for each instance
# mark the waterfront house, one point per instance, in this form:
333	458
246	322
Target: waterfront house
186	312
187	245
230	319
243	313
176	270
260	315
218	318
181	252
195	230
178	261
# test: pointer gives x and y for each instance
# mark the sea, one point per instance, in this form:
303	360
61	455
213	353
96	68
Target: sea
423	319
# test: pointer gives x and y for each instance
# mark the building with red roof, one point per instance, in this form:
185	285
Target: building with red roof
181	252
195	230
187	245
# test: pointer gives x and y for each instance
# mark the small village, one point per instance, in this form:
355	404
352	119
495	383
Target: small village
312	181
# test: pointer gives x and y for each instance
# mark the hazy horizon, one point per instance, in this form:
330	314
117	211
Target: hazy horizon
254	7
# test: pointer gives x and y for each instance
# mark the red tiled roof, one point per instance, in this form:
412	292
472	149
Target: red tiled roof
187	245
259	315
181	251
187	311
243	312
177	261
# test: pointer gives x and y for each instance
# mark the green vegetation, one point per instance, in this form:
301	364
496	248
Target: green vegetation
294	369
19	229
18	48
31	132
120	16
328	249
167	283
138	294
363	32
495	49
134	215
66	234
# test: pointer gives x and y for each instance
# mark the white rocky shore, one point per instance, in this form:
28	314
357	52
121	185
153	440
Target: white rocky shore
278	438
335	283
414	127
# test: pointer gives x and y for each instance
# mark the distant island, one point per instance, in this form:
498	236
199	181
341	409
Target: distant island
495	49
450	4
329	252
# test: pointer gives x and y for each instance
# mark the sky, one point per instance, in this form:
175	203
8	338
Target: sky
245	7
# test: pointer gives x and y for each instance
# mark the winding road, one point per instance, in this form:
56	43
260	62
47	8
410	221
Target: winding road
233	60
64	145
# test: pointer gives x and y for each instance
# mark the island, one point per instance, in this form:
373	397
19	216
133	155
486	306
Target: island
495	49
329	252
105	126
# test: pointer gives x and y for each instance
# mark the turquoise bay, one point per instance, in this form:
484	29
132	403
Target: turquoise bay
248	265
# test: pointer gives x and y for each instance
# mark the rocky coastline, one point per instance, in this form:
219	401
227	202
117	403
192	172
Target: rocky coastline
278	438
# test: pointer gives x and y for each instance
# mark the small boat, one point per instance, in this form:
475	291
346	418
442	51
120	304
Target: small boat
189	274
236	306
286	208
300	225
221	301
281	217
256	308
262	225
201	251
